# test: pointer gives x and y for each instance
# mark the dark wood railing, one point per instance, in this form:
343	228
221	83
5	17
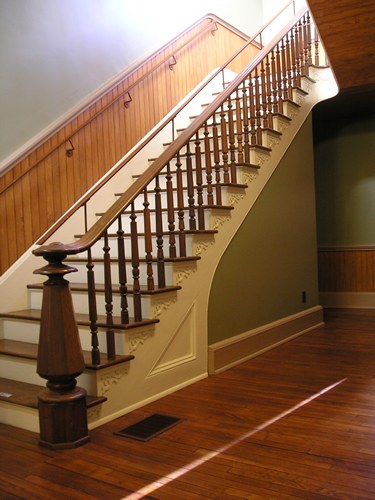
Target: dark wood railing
154	215
43	184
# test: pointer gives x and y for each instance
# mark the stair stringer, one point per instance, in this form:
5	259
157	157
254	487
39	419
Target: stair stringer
175	355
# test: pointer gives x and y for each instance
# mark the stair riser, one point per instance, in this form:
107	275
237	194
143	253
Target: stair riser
24	370
163	196
81	275
25	331
240	171
226	192
97	251
209	220
80	303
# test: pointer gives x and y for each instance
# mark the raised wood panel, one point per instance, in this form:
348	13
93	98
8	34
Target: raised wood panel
347	269
44	185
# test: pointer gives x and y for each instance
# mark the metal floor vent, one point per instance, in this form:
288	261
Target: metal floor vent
149	427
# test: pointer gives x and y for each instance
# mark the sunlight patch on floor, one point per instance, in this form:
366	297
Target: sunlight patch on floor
150	488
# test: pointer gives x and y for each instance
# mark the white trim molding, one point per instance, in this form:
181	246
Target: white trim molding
235	350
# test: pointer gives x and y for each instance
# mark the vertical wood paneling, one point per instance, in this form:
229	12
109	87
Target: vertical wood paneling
41	187
347	269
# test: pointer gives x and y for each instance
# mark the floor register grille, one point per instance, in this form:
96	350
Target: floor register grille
149	427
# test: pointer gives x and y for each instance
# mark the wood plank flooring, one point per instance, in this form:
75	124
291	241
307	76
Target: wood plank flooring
296	422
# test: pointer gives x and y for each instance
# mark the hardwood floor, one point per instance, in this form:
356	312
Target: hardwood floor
296	422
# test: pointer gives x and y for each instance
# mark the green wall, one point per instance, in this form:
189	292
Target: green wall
345	180
272	258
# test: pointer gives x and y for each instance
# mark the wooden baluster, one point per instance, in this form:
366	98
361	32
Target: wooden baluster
305	71
148	241
252	110
190	188
263	92
258	112
216	160
208	164
123	286
170	213
135	265
224	142
61	405
245	111
309	41
284	69
108	295
300	52
294	63
180	208
274	83
269	91
159	235
296	55
199	181
280	107
288	48
93	315
232	144
239	127
316	45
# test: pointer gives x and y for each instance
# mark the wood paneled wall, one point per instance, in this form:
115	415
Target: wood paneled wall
347	269
39	189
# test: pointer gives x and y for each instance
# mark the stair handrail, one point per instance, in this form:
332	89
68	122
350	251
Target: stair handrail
171	117
124	201
214	21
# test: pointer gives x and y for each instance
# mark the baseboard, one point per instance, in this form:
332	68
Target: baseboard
364	300
101	421
235	350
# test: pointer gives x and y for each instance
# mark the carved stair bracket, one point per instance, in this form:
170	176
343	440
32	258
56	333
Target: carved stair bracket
261	158
248	178
137	339
183	271
234	198
202	245
162	305
111	377
220	220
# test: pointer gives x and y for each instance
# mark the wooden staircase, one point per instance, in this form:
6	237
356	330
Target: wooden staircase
142	273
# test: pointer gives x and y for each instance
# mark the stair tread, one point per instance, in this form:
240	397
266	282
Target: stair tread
192	258
82	287
24	394
82	319
214	184
27	350
192	140
184	170
164	233
205	207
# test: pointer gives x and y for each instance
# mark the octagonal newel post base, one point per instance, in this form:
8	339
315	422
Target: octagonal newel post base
62	405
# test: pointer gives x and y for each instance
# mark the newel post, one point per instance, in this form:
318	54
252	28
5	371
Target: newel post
62	405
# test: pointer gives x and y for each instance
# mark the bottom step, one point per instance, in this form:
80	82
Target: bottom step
21	393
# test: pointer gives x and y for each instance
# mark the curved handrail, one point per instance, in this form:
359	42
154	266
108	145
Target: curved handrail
171	117
214	20
96	231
